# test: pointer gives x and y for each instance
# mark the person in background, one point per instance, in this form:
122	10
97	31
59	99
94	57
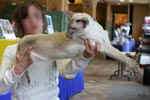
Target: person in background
35	80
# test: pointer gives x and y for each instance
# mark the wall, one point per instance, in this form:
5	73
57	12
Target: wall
139	12
76	8
54	5
3	4
148	10
101	13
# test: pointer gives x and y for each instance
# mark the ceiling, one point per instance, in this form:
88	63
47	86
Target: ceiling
127	1
43	2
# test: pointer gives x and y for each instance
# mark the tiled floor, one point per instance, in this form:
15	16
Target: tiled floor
99	87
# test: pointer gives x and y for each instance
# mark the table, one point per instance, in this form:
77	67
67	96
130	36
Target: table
122	73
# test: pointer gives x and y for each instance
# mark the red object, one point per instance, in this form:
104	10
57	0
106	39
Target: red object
144	65
12	22
146	43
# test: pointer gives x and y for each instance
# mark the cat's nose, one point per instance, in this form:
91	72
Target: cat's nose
71	29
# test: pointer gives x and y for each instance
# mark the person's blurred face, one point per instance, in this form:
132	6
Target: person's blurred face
33	24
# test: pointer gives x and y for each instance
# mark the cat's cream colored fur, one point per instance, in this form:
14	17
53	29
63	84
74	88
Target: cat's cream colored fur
59	46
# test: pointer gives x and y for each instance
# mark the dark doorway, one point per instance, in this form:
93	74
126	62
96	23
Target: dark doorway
101	11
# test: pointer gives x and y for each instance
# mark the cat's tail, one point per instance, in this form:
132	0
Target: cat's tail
116	54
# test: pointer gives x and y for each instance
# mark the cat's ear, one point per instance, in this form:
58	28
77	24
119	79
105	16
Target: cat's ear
69	14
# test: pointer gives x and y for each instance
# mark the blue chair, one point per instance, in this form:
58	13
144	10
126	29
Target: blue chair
69	88
6	96
129	46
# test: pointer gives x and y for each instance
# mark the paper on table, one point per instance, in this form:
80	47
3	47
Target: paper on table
145	59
